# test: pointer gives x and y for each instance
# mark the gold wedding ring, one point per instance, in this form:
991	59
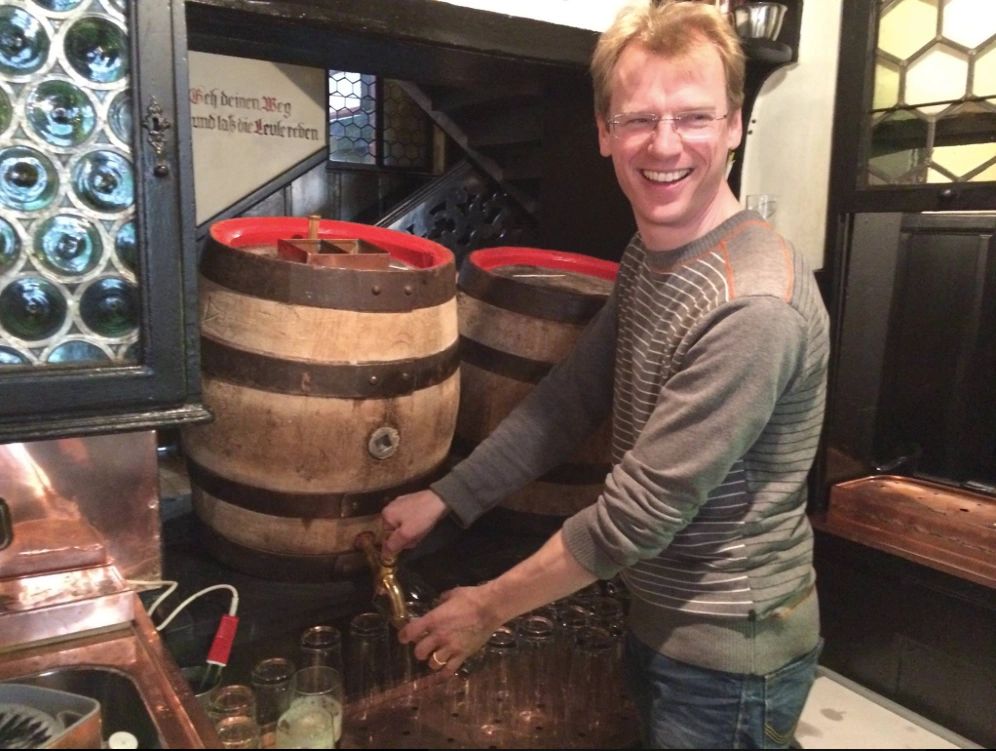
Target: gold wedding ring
435	662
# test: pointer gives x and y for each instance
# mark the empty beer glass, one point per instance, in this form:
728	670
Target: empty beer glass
272	682
588	692
493	699
321	645
368	655
538	715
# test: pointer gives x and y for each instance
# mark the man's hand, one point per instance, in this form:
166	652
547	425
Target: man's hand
409	518
453	631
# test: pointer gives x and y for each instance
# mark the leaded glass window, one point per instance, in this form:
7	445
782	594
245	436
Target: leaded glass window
372	121
68	289
933	115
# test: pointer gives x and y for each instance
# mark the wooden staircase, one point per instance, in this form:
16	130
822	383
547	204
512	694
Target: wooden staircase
499	129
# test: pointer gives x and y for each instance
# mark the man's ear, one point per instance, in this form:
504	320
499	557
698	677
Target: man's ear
604	137
734	130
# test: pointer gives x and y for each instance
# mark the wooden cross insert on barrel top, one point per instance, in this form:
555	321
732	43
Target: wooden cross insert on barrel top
348	253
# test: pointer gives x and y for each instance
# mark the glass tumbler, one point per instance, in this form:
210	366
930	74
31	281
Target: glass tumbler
589	696
367	661
368	655
238	731
231	700
321	686
272	680
321	645
539	714
763	203
493	702
232	709
570	619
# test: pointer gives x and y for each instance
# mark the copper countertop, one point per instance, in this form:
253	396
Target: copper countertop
136	650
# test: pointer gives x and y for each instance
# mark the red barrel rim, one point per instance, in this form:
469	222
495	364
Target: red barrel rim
417	252
492	258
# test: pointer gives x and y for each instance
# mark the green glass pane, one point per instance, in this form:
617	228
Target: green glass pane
97	49
24	42
109	307
68	245
28	179
10	356
77	352
10	245
32	308
104	181
60	113
59	6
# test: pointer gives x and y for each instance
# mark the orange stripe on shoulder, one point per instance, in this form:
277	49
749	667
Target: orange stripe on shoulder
724	253
724	250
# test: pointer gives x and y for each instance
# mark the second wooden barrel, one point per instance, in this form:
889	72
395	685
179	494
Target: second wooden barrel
333	387
521	311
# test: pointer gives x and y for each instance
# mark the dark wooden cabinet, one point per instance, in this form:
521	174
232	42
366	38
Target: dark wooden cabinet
913	311
129	93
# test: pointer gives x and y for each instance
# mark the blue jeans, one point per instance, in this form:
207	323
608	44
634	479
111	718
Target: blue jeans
683	706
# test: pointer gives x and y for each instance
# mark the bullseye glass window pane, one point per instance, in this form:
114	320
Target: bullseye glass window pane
68	245
103	181
24	42
60	113
60	6
10	246
97	49
69	294
32	308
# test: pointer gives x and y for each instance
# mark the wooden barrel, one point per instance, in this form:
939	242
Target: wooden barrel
333	388
521	311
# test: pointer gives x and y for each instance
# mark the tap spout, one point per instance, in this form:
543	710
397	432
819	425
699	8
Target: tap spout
387	588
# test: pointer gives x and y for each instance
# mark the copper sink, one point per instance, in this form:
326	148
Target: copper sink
130	672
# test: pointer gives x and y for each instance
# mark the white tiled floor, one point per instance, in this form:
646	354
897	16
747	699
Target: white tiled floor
841	714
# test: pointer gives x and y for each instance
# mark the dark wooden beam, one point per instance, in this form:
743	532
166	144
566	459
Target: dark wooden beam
440	42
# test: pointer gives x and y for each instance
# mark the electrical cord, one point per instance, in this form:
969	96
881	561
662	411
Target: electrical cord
171	587
224	636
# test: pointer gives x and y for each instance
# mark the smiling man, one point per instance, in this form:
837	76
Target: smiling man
711	357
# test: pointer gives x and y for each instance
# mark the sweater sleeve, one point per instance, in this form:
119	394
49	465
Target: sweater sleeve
707	416
544	428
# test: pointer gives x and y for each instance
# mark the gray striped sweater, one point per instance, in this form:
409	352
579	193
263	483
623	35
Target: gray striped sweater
711	359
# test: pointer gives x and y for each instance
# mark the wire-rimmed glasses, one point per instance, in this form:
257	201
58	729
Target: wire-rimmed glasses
638	126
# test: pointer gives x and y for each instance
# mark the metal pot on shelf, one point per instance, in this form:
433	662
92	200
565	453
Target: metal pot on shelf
759	20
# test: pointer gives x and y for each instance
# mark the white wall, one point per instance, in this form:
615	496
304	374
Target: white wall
787	149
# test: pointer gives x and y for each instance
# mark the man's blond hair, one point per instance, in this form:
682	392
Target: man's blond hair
672	29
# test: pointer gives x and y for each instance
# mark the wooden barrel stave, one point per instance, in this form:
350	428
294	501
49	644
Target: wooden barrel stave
511	334
326	405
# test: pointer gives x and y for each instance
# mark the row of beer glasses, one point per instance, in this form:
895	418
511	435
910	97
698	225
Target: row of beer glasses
550	678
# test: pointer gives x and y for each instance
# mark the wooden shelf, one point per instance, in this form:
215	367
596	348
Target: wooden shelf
949	529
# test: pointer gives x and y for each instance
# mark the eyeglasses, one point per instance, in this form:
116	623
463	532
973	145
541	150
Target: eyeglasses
690	126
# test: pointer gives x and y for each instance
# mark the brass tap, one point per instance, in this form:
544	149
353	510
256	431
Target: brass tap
387	588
